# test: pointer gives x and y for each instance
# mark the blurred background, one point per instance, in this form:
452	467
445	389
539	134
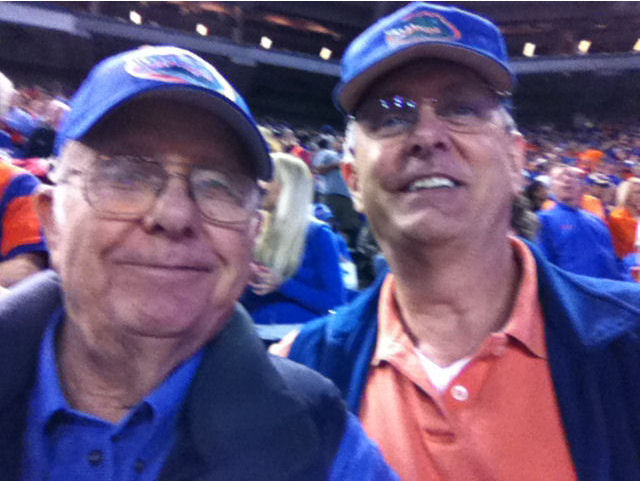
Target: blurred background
576	62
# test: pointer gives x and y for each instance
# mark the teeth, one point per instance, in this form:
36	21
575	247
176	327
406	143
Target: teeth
431	183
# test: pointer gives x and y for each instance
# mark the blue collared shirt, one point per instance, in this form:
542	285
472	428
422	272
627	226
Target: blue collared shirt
62	443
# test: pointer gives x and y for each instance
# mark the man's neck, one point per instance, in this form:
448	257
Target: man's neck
451	298
106	377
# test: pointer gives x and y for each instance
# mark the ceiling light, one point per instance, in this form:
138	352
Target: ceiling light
529	49
201	29
583	46
325	53
135	17
636	47
266	43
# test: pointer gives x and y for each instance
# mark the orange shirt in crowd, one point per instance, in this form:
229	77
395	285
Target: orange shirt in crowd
593	204
498	419
590	159
623	229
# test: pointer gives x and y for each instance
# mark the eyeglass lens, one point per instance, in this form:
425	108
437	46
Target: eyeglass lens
128	186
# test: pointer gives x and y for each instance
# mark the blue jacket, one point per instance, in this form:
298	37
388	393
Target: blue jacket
316	288
579	242
592	337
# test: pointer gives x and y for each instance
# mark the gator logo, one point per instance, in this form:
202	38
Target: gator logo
179	67
421	26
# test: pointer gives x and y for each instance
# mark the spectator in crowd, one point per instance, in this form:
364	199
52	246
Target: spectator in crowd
22	247
536	192
624	220
136	362
587	202
297	275
348	268
599	192
334	191
301	150
475	357
573	238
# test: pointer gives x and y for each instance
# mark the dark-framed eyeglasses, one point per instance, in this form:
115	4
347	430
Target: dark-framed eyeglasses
127	186
394	115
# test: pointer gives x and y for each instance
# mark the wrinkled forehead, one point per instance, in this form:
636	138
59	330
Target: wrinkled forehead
429	78
165	129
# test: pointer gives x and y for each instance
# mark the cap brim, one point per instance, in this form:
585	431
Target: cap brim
498	77
218	105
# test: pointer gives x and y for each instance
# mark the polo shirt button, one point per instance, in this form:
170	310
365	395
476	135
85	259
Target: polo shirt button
139	466
459	392
96	457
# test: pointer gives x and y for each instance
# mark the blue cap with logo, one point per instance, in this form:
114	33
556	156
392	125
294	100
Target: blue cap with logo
170	72
423	30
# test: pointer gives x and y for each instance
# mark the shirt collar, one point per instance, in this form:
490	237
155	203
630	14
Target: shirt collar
525	324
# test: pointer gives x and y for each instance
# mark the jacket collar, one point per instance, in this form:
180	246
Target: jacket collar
240	406
585	312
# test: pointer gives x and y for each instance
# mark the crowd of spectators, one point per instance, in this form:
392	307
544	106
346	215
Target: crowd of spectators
608	153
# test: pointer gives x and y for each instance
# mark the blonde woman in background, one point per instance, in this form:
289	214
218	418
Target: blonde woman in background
297	273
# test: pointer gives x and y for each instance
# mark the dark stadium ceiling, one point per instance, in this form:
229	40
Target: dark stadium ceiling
62	40
554	27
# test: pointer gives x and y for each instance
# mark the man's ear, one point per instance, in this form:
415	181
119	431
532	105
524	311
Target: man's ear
352	180
43	202
517	157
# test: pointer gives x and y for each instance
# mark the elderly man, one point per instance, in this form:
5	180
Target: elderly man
136	363
474	358
571	237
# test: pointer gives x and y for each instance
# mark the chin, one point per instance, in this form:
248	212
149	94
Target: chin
164	316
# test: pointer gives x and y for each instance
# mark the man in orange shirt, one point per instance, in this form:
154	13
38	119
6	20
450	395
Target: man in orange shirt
473	358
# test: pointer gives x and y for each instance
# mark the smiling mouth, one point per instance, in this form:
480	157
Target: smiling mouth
433	182
167	268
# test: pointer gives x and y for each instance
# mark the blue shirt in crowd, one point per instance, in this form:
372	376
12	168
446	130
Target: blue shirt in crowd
316	288
579	242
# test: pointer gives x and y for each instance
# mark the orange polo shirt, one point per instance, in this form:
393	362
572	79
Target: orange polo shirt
624	228
498	419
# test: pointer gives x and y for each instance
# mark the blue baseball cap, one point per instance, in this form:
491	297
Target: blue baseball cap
423	30
166	71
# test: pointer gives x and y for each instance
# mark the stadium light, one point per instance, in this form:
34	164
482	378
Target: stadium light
583	46
135	17
636	47
201	29
266	42
325	53
529	49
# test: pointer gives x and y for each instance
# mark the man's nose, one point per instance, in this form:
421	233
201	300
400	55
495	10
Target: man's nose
429	133
174	211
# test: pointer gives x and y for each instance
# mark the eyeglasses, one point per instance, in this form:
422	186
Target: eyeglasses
126	187
396	114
